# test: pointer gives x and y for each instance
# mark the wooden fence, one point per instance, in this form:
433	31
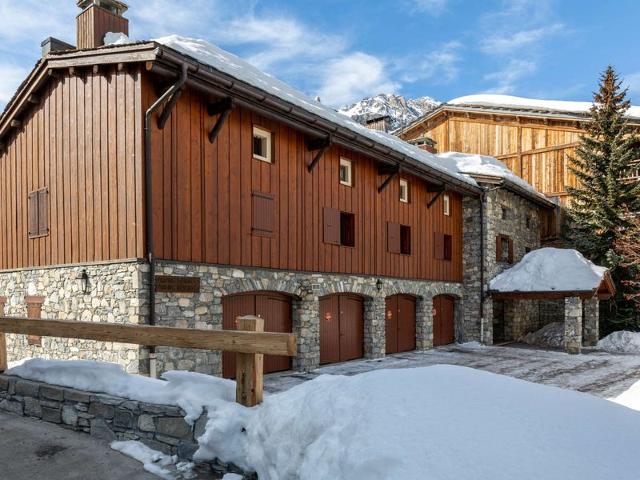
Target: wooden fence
250	343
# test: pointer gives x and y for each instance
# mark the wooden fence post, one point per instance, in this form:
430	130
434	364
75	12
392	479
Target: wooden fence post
249	366
3	341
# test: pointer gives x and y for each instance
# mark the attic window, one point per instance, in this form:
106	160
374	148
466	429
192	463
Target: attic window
262	144
404	190
346	172
446	204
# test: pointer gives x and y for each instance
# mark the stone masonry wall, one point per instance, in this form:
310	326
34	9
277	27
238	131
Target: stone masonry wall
114	296
204	309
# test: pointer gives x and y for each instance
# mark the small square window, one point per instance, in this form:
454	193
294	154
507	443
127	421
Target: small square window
405	239
346	172
347	229
446	202
262	145
404	190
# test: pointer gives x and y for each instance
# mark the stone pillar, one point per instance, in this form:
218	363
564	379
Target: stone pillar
306	327
374	327
34	310
424	323
591	327
572	324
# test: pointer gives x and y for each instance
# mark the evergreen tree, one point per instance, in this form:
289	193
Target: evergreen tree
598	213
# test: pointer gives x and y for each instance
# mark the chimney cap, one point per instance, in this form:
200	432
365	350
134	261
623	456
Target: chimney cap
114	6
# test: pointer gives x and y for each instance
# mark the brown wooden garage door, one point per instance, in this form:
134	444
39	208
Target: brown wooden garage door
275	308
401	323
341	328
443	320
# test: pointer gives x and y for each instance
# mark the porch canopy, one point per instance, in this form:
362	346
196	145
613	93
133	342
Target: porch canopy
553	273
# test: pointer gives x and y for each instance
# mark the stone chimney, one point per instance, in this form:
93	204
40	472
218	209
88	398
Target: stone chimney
98	18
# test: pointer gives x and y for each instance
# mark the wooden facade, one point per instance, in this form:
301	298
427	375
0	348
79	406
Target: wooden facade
82	139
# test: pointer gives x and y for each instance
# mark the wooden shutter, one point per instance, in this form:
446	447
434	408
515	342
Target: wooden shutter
393	237
332	226
43	212
263	214
438	245
510	250
498	248
32	214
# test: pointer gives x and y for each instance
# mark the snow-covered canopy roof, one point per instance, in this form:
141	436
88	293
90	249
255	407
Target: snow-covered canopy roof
508	101
478	166
557	271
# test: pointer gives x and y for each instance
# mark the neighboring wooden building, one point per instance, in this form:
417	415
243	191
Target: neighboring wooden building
534	138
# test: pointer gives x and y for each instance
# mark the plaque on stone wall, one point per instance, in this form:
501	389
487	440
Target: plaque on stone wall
177	284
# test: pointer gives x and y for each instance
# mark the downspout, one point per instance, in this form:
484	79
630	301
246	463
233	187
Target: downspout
483	197
148	204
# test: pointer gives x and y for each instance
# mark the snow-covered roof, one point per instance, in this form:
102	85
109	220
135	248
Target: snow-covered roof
551	270
225	62
492	100
484	165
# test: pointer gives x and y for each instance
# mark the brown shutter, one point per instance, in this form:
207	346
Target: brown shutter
32	214
393	237
498	248
332	226
43	212
510	250
438	245
263	213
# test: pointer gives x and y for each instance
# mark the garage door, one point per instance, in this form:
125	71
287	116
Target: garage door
341	328
274	308
443	320
400	323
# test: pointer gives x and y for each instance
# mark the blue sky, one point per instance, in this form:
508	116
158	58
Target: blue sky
344	50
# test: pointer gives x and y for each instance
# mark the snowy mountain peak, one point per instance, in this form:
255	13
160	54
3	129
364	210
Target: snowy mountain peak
401	111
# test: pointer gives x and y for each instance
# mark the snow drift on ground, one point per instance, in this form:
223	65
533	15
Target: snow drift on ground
188	390
621	342
551	335
152	460
441	422
545	269
533	103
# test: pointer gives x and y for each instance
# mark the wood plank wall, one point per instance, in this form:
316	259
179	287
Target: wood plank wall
84	142
202	199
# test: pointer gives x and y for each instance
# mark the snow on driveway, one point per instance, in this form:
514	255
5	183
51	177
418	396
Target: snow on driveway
599	373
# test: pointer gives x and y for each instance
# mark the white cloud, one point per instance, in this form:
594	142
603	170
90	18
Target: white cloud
432	7
505	79
352	77
10	77
441	64
506	44
632	81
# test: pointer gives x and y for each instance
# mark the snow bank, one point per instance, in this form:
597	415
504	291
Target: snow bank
152	460
554	269
492	100
452	422
620	342
188	390
551	335
630	398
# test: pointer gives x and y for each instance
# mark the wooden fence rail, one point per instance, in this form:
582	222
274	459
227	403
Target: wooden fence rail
250	342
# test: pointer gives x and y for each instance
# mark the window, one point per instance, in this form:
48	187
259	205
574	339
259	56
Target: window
346	172
405	240
504	249
442	246
262	144
339	227
527	221
446	204
404	190
38	213
263	214
505	213
527	250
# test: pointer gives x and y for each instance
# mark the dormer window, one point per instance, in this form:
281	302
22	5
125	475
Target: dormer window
404	190
262	145
346	172
446	204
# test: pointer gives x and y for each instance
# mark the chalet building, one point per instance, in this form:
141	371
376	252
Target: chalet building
534	138
169	182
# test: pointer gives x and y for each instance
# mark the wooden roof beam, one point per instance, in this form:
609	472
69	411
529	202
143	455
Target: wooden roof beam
223	108
320	145
440	190
392	172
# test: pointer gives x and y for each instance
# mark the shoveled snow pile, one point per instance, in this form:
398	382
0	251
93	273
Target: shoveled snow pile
152	460
188	390
493	100
443	420
551	335
621	342
550	269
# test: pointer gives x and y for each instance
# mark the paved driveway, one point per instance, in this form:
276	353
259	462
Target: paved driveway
599	373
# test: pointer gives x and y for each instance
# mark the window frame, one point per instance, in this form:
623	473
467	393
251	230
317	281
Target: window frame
405	239
347	239
404	183
345	162
446	205
259	131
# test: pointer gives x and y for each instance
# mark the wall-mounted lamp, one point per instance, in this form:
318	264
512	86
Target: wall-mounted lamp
379	284
83	276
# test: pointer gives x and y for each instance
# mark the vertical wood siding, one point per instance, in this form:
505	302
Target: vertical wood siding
83	142
203	201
